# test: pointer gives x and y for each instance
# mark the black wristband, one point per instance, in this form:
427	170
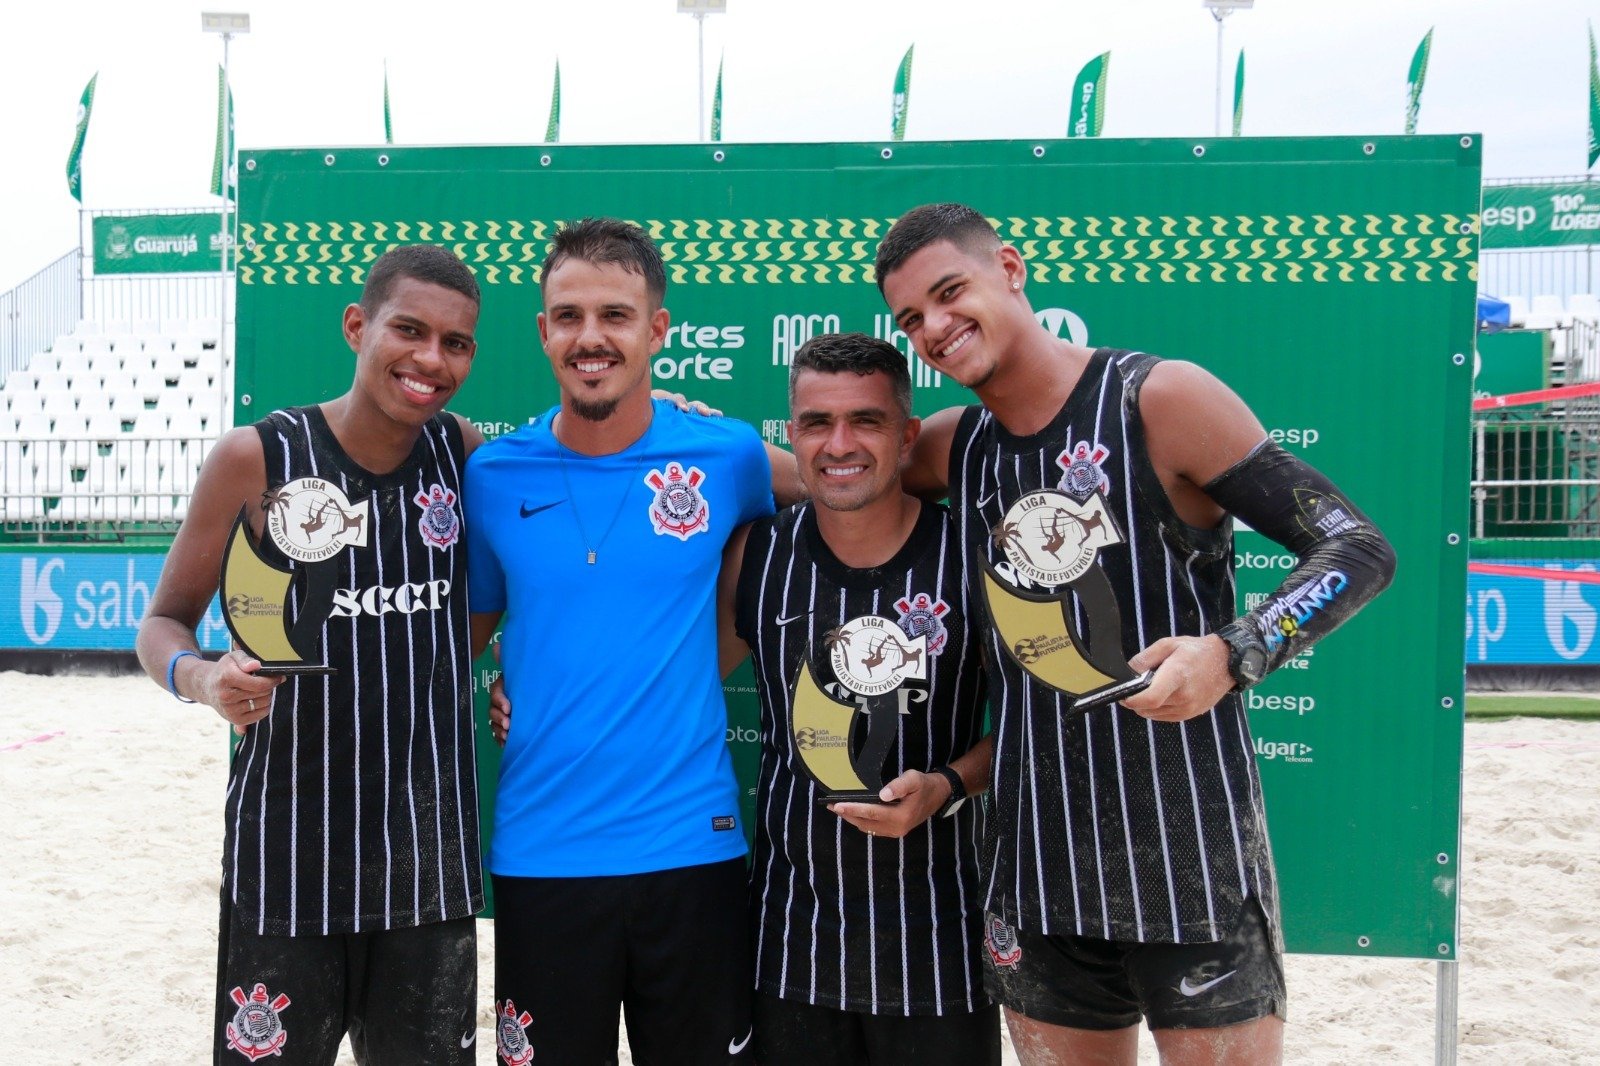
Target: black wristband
958	790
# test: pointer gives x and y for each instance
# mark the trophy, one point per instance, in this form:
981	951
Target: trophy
843	743
310	521
1052	539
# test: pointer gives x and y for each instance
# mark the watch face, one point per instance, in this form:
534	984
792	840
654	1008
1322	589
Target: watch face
1252	663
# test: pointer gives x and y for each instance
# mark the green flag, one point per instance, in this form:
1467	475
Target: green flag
1089	98
1238	95
1414	80
552	126
716	106
902	97
75	157
388	125
1594	102
219	167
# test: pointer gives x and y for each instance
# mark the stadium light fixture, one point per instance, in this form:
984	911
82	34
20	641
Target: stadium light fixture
700	9
226	23
1221	9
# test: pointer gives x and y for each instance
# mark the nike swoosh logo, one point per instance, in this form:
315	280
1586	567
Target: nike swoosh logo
984	501
736	1046
468	1039
529	512
1194	990
782	621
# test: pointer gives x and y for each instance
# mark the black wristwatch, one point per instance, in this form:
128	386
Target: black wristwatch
958	791
1247	656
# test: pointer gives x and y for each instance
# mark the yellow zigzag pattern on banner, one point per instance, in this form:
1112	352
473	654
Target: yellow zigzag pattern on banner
1090	249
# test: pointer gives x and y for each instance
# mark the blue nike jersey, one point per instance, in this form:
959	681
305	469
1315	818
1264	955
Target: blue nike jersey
617	760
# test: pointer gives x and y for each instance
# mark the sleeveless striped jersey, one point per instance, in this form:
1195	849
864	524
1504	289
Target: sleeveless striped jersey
353	806
841	919
1106	824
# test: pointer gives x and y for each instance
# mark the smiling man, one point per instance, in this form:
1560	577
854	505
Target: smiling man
350	872
617	858
1130	874
866	917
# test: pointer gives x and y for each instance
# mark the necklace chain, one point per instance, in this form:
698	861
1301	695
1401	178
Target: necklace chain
593	547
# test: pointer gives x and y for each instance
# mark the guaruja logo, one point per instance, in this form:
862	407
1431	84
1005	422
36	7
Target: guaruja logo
439	524
923	616
1051	539
117	244
511	1035
678	509
1081	473
309	519
1001	940
256	1030
873	655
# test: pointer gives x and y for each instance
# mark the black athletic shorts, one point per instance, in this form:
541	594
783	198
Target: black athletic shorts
670	948
790	1033
1086	983
405	996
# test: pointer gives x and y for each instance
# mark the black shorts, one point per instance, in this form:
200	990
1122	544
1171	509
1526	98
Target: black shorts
405	996
1086	983
790	1033
670	948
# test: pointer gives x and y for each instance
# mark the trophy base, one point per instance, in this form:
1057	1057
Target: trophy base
1112	693
850	797
294	670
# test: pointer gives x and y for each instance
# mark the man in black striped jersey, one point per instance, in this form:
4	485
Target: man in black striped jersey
1130	874
865	917
350	873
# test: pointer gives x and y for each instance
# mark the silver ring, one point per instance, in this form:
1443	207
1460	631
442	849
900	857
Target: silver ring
252	704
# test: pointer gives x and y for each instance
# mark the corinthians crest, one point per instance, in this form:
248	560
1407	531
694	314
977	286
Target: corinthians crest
870	657
256	1030
678	510
1053	540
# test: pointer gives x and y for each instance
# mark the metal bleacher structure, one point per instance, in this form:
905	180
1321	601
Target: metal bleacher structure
112	392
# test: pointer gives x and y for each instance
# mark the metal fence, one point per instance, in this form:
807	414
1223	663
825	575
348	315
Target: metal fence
1538	271
1536	472
89	489
34	313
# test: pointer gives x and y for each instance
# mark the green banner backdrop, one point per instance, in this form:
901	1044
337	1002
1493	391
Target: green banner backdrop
1330	281
1541	216
158	244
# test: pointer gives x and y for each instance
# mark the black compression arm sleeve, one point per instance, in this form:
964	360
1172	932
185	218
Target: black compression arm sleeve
1344	559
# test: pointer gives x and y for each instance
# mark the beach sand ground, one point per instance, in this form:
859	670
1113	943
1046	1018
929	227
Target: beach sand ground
111	800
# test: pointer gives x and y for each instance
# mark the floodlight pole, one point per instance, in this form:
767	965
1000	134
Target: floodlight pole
1221	9
226	25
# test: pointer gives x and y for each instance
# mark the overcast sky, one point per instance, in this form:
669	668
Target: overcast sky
470	71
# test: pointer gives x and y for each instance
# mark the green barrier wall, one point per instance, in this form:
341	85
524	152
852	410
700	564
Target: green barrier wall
1330	281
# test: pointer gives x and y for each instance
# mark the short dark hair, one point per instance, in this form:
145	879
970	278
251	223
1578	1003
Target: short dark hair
610	240
857	353
922	226
430	263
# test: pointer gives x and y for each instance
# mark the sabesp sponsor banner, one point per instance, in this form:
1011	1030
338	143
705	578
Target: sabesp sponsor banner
1526	621
1537	216
70	602
158	244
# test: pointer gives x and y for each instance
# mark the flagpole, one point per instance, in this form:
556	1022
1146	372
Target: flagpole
225	24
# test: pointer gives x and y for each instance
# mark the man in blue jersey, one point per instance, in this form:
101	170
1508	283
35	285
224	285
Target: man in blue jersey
597	532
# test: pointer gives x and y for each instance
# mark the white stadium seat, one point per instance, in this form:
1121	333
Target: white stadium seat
34	425
1547	313
58	402
117	381
150	424
1585	306
146	327
69	427
93	346
124	344
207	329
73	362
44	363
149	384
86	327
195	380
169	365
92	400
125	403
116	326
67	343
1519	310
25	380
173	401
54	381
188	423
24	401
188	347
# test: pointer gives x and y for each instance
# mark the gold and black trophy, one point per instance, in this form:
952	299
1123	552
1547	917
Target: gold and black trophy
1052	540
843	742
310	521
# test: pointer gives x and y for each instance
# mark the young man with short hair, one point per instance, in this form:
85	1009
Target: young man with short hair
617	859
350	874
1130	871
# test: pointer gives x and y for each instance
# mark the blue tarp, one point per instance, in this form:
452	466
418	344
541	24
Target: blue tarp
1494	314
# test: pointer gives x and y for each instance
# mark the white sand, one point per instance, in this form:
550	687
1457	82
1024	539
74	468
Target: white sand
112	828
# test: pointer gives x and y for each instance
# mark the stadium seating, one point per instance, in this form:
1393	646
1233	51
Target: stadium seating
108	428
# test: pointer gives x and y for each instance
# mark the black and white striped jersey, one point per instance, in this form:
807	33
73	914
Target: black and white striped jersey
353	806
841	919
1103	823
